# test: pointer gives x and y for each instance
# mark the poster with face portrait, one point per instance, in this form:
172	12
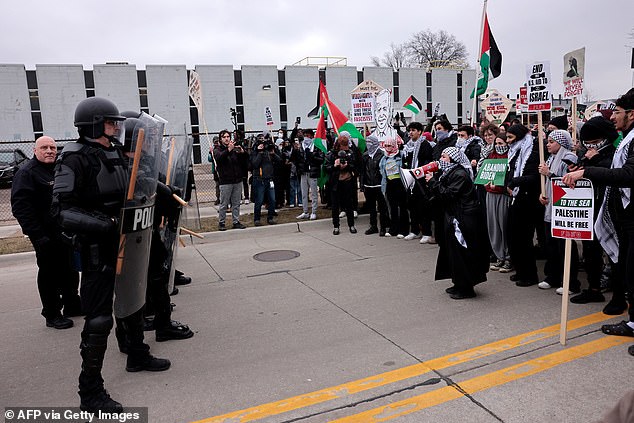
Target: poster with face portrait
383	115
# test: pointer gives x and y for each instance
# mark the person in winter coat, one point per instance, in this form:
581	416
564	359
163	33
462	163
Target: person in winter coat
597	135
614	226
559	146
370	177
393	189
497	212
522	184
460	256
341	166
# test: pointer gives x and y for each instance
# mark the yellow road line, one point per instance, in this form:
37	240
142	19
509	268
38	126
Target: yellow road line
481	383
340	391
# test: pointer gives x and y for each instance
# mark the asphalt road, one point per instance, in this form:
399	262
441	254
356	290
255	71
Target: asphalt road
354	329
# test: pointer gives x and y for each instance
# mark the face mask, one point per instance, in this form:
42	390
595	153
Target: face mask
501	149
595	146
443	165
441	135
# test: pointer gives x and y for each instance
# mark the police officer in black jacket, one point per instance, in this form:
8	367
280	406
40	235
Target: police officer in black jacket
91	180
31	196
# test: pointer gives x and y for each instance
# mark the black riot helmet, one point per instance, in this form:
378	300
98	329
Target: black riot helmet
132	126
130	114
91	114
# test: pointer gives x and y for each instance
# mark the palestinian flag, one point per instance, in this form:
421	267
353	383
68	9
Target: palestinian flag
338	119
320	133
413	104
490	59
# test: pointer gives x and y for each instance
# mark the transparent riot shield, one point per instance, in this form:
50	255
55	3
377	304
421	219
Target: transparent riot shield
176	153
137	216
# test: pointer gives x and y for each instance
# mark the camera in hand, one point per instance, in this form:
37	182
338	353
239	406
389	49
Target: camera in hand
343	157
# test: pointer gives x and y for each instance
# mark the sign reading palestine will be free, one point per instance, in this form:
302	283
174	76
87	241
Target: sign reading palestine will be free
572	210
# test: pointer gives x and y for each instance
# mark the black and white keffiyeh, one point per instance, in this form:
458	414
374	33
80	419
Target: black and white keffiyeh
458	157
604	226
522	149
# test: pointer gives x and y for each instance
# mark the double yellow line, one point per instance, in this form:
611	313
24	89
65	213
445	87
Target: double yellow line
441	395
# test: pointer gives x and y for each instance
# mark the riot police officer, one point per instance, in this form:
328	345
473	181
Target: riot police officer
88	195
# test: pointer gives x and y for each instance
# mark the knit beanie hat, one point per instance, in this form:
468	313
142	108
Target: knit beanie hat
561	122
598	128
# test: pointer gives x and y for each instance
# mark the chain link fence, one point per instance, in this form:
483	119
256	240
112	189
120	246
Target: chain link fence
203	178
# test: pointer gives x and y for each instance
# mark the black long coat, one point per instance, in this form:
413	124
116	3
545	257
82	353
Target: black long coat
455	194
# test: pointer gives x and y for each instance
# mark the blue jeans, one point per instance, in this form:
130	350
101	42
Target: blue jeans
259	188
296	192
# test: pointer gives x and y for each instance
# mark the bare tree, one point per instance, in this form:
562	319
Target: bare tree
427	48
397	57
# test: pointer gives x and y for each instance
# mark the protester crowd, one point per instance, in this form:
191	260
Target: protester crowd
419	185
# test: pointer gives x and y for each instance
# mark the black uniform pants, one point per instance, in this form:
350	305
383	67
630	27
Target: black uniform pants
57	281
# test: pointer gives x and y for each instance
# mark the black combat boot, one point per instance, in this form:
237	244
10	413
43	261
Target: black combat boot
93	348
139	357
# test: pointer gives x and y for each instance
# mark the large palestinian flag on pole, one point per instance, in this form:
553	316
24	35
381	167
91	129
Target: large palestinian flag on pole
490	59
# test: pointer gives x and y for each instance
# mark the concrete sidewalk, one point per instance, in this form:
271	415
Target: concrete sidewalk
348	307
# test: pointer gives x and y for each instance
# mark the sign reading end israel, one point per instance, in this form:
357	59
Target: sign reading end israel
572	210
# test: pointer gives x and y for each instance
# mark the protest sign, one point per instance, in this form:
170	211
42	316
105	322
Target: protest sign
194	89
492	171
572	210
496	107
362	102
268	115
572	213
574	64
538	84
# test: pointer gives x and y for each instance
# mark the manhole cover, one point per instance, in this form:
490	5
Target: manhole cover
276	255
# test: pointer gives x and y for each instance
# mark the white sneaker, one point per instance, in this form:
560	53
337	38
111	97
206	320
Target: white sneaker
387	234
560	291
425	239
292	206
356	214
400	236
303	216
410	236
546	285
342	214
246	201
313	216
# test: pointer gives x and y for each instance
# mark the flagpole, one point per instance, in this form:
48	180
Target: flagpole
475	87
326	102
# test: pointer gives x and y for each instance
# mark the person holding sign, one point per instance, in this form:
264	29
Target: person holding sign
523	185
497	210
460	256
559	146
597	135
615	224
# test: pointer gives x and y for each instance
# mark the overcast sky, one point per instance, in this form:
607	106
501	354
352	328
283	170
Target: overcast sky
281	32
